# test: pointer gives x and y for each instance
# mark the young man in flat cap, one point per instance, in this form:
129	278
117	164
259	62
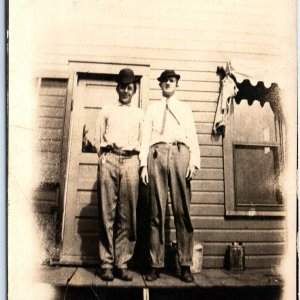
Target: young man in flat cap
169	156
119	179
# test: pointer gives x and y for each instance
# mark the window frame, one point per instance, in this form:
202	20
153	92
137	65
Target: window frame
229	143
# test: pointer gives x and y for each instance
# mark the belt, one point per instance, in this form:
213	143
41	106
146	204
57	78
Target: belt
170	143
119	151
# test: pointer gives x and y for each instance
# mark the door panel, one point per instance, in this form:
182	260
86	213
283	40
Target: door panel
80	223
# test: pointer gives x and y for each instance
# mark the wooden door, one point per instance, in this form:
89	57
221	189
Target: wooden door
80	222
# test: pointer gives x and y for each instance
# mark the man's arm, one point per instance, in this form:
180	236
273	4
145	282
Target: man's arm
190	172
194	147
145	143
144	175
90	137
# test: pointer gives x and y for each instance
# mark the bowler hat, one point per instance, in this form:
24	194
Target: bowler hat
166	74
125	76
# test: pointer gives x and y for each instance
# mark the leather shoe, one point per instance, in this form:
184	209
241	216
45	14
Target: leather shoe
152	275
123	274
107	275
186	274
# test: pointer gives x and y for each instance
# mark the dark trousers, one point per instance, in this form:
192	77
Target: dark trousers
118	195
167	167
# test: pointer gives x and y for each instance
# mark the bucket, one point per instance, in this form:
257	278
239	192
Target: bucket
197	258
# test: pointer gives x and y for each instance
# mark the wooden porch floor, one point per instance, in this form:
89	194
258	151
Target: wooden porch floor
76	283
208	278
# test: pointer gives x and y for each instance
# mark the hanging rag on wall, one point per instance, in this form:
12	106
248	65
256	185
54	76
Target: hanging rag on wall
227	92
251	80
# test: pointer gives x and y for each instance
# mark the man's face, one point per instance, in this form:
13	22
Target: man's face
125	92
168	86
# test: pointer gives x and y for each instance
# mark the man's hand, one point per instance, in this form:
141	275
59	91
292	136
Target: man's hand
190	172
144	175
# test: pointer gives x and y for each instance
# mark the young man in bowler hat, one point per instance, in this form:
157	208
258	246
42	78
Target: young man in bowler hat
119	179
169	156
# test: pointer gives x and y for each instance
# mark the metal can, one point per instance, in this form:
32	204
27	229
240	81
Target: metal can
236	257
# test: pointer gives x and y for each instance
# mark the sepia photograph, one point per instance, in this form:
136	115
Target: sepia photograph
152	149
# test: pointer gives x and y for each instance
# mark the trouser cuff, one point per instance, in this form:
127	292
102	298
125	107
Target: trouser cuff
161	265
186	264
106	266
123	266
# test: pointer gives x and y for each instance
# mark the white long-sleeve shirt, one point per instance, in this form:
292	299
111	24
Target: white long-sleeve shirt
119	127
179	129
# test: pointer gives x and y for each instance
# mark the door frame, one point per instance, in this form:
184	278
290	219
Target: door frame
76	67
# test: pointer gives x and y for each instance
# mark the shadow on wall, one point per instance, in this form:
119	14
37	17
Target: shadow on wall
47	219
141	257
88	230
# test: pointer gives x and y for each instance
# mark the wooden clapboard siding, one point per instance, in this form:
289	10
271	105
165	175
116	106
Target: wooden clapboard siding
194	40
50	158
211	151
89	225
208	197
188	86
208	185
226	235
189	95
46	198
212	162
277	248
204	128
217	222
250	262
50	133
51	112
52	101
48	123
195	75
49	145
197	185
209	174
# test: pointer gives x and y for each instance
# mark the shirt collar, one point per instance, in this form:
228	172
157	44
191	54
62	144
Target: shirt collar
171	99
128	105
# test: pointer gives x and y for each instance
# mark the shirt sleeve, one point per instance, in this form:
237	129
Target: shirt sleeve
91	135
193	140
146	136
141	118
102	121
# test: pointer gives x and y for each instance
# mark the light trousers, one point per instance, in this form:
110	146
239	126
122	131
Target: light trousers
118	196
167	167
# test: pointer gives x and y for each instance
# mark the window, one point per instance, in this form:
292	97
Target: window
256	170
253	158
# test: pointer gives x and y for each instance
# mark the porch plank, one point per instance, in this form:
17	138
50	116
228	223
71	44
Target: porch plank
137	282
86	277
97	281
208	278
55	275
166	280
248	278
221	278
